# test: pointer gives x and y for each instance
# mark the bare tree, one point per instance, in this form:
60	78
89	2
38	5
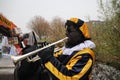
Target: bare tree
40	26
48	32
58	29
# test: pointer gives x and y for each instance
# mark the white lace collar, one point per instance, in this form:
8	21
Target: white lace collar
81	46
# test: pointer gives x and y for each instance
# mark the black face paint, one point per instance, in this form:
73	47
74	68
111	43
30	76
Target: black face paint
74	35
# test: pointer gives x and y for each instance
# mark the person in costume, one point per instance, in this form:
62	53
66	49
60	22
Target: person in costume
75	60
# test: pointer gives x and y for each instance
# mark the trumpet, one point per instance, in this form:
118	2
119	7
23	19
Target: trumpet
21	57
34	59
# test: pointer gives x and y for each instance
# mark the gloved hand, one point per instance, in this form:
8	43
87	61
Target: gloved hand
46	54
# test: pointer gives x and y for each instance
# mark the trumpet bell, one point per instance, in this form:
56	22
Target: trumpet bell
16	58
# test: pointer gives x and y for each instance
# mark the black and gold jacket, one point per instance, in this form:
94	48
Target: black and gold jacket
76	66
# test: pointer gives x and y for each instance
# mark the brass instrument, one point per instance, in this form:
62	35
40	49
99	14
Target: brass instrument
21	57
37	57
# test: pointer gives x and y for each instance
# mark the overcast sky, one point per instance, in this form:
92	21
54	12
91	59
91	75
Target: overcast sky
20	12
